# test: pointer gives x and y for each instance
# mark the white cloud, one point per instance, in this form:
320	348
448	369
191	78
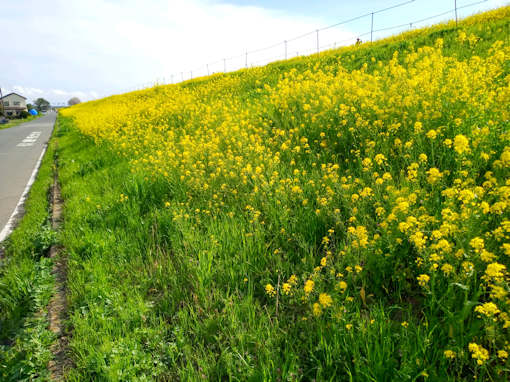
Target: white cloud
29	91
102	46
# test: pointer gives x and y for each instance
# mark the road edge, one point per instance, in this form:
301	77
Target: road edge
19	209
18	212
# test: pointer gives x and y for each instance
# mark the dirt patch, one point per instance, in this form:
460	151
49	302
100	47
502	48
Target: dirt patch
57	308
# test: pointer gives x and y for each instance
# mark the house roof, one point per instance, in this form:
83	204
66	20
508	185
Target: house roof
7	95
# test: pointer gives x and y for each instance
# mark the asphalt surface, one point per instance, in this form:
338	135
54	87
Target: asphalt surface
20	148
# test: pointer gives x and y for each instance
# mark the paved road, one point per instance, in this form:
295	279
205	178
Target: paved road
20	149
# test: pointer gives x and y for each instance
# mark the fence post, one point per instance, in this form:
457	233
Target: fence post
372	28
456	19
317	40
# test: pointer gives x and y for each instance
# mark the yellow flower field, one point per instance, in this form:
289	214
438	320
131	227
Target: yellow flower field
372	178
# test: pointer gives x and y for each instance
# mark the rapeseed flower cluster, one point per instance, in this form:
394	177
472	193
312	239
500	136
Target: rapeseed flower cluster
402	164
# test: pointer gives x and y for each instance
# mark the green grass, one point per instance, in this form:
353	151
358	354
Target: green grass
142	307
158	298
26	286
16	122
152	297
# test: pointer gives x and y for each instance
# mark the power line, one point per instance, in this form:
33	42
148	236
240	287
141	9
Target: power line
318	48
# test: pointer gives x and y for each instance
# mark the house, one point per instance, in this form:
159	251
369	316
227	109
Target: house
14	104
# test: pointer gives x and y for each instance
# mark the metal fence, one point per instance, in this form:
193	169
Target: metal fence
315	41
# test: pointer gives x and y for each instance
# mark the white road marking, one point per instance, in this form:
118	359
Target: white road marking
30	140
6	231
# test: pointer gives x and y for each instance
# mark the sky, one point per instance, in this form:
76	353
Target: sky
57	49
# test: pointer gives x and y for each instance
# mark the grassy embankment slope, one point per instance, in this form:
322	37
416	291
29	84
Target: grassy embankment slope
332	217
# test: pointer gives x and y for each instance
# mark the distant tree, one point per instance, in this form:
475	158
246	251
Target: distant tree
41	104
73	101
30	106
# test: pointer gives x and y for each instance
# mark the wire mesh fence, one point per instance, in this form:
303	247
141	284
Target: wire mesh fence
371	27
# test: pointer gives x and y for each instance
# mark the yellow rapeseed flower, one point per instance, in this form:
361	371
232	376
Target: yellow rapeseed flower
325	300
270	290
308	288
495	270
477	243
479	353
433	175
432	134
449	354
489	309
317	311
423	280
342	285
461	144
